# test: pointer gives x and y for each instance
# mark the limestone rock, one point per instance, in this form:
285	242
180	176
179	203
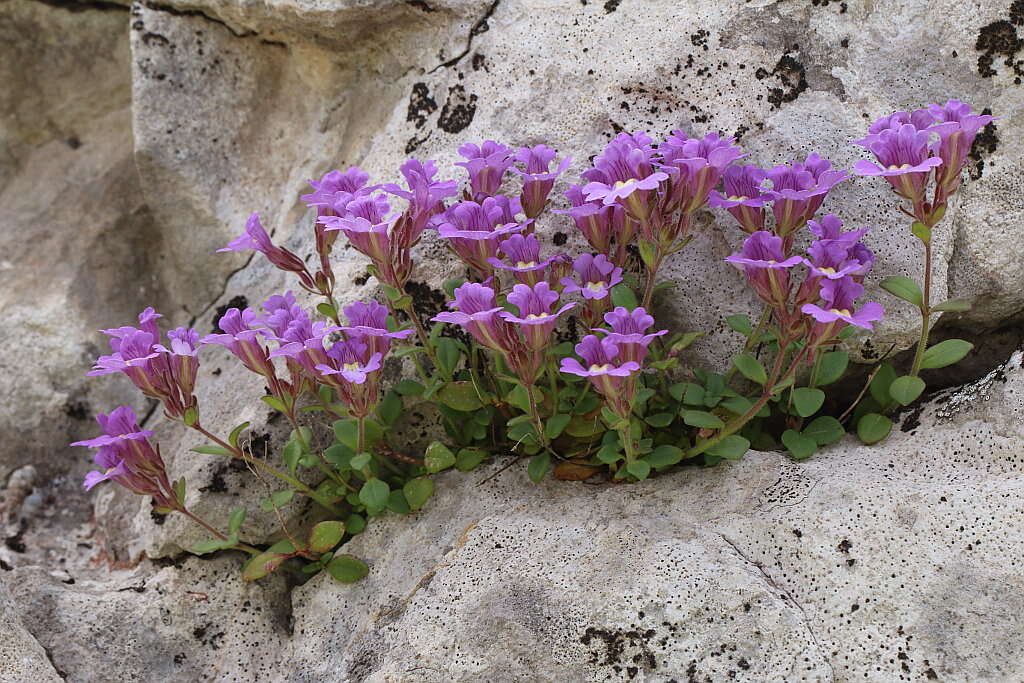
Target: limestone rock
193	621
863	563
22	658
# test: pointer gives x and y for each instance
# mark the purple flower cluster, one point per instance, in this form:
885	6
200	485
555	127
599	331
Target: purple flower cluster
836	265
611	361
128	458
164	372
908	146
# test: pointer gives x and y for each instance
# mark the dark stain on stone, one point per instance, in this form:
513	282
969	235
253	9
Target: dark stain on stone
985	143
458	110
157	517
73	142
421	105
414	143
999	40
479	62
611	5
239	302
76	409
559	239
420	5
792	79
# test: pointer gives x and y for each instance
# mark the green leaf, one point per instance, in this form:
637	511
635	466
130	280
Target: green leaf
622	295
449	286
417	491
699	418
555	425
461	396
325	536
751	368
640	469
236	432
831	367
740	323
374	494
261	565
291	454
880	384
390	408
346	568
212	450
191	416
714	389
824	430
872	428
903	288
277	500
737	405
235	521
355	524
684	340
326	309
945	353
204	547
609	454
468	459
665	456
408	387
677	390
275	403
359	461
397	502
539	466
448	355
179	490
905	390
438	457
519	398
807	401
660	419
339	455
953	306
694	395
800	446
921	231
732	447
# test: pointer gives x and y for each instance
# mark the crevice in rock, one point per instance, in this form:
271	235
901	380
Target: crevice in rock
85	6
174	11
481	26
49	657
223	290
786	596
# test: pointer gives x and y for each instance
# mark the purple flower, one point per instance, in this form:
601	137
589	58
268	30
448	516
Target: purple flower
763	262
538	179
628	332
486	165
299	339
477	312
838	297
955	141
256	238
695	166
473	231
369	322
830	260
128	458
624	174
614	380
597	222
424	196
744	197
798	190
351	369
166	374
366	222
831	228
281	310
239	336
523	254
903	158
535	314
333	191
596	275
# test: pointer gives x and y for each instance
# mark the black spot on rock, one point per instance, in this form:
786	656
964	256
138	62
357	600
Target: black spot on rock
458	110
76	409
559	239
421	105
420	4
611	5
73	142
1000	40
985	143
792	80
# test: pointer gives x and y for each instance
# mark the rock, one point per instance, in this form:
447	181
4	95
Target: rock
22	658
863	563
76	237
195	620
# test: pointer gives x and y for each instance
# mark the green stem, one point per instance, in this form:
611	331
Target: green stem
238	546
752	341
421	332
626	437
535	414
269	469
926	311
652	274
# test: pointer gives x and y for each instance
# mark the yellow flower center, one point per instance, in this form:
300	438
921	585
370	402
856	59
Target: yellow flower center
600	368
734	198
352	367
534	316
526	264
622	183
894	167
828	271
596	286
841	311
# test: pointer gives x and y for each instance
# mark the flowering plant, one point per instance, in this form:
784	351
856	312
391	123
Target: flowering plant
504	364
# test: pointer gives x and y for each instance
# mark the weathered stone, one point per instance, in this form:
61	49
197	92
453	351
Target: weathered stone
864	563
22	658
192	621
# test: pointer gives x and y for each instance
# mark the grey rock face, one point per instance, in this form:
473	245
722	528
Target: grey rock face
22	658
861	564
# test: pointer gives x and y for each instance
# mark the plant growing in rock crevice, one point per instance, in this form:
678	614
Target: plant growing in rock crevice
628	409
